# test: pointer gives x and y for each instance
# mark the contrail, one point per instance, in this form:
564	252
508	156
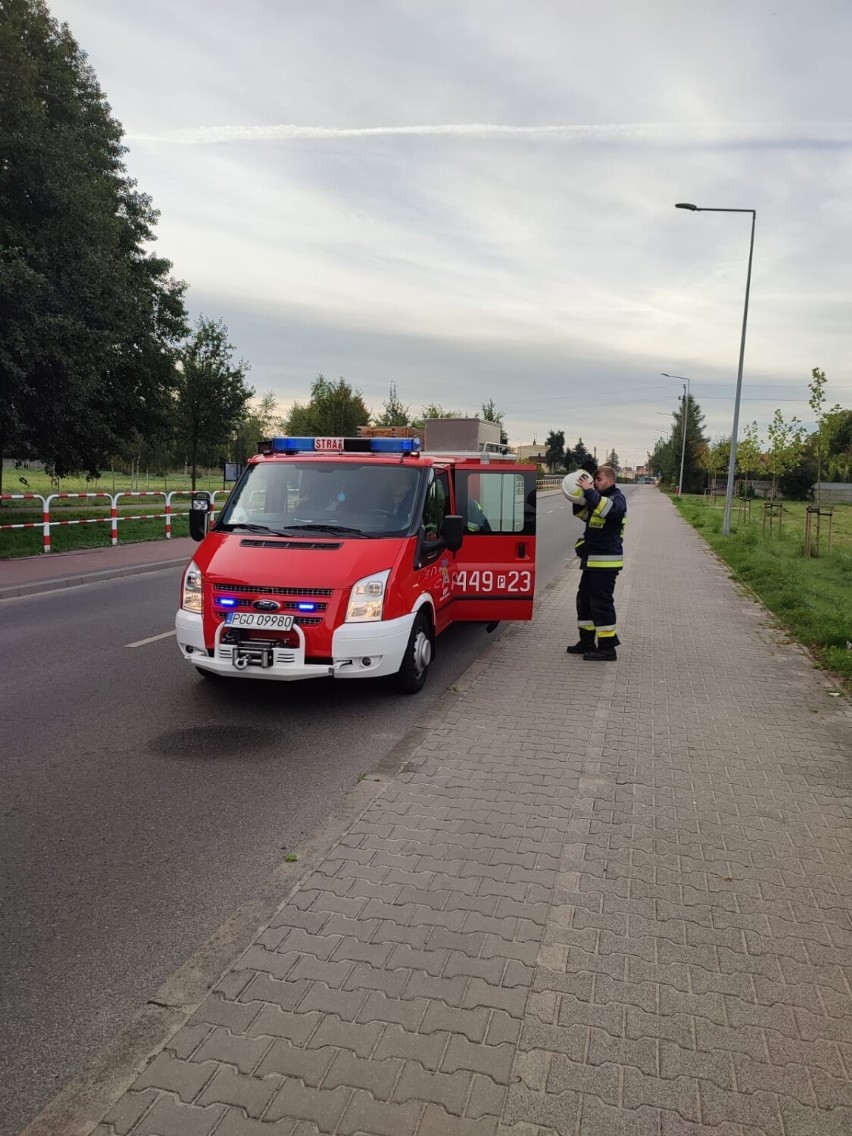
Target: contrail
666	133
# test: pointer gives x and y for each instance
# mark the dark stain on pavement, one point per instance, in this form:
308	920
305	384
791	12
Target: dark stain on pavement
213	743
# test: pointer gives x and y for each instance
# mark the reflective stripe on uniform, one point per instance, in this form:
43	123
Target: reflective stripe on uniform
605	633
599	561
585	625
598	517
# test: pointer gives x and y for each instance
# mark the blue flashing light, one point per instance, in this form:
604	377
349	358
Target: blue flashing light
226	601
395	445
292	445
306	606
340	446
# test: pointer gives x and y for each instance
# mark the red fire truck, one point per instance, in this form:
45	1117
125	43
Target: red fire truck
347	557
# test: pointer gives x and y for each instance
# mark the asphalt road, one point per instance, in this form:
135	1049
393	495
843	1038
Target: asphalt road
141	805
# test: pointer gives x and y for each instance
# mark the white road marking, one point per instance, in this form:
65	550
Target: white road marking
153	639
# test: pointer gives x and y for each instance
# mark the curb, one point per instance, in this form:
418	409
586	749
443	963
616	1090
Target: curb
34	587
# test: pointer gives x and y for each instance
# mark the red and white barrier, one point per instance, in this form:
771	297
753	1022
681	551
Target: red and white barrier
45	524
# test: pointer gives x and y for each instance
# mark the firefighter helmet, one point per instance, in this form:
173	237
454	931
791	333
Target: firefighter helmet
571	488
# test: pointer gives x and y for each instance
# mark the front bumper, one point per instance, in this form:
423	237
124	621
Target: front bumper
359	650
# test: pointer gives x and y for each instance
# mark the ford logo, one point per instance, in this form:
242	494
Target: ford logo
266	605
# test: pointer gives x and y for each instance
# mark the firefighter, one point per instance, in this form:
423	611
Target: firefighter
400	493
476	518
601	552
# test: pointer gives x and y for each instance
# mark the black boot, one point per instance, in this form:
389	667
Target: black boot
585	643
601	654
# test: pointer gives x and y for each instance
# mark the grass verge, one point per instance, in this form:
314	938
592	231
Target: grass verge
810	596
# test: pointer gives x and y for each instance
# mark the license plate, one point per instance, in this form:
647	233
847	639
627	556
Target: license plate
259	620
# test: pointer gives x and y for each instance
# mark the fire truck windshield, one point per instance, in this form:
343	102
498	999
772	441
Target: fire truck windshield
365	498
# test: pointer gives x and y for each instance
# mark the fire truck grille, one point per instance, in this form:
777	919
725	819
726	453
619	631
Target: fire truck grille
290	600
286	605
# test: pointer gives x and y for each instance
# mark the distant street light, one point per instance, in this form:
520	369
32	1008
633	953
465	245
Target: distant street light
732	464
686	397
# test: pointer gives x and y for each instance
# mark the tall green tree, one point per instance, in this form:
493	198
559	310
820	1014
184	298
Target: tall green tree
614	460
334	410
212	392
578	455
554	453
667	455
394	412
90	318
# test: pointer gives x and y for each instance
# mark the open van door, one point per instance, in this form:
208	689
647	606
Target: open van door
494	570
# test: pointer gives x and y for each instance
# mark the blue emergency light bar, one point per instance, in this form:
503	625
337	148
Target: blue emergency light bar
339	446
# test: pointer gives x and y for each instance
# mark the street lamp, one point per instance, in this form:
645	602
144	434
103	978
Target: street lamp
686	397
732	463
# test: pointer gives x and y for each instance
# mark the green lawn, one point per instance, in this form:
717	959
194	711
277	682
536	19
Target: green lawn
810	596
109	482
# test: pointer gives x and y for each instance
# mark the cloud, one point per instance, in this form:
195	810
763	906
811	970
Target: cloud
474	198
689	134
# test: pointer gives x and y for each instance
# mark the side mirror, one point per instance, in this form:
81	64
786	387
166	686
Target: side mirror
452	531
199	515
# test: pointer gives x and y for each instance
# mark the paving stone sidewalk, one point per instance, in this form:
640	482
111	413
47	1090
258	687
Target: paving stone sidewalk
600	900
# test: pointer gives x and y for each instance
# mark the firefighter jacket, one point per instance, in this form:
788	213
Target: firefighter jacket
605	514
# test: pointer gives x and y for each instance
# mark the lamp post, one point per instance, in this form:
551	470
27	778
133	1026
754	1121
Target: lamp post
686	397
732	463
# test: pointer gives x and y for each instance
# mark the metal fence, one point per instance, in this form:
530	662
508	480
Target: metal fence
113	518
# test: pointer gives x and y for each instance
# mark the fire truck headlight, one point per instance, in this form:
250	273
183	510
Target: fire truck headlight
367	598
191	591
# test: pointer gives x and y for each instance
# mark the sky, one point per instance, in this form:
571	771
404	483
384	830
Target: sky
474	199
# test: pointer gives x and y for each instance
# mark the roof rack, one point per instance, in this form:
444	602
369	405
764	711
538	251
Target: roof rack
484	456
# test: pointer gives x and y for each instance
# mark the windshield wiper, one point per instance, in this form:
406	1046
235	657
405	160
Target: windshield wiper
317	526
252	528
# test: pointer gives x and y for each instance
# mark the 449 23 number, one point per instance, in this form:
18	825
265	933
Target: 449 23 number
486	580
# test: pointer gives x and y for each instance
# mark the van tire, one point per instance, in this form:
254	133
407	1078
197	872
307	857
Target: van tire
413	672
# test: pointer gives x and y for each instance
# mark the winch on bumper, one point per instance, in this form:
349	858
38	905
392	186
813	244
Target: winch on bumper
358	650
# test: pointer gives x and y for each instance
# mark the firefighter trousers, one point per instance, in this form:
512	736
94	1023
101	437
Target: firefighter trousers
596	603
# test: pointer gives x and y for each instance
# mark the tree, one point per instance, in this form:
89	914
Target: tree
491	414
90	319
578	455
749	451
256	423
334	410
612	460
433	410
555	450
785	447
212	393
816	402
394	413
665	460
667	455
839	435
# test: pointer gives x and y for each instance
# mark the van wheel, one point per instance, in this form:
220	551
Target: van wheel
411	676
